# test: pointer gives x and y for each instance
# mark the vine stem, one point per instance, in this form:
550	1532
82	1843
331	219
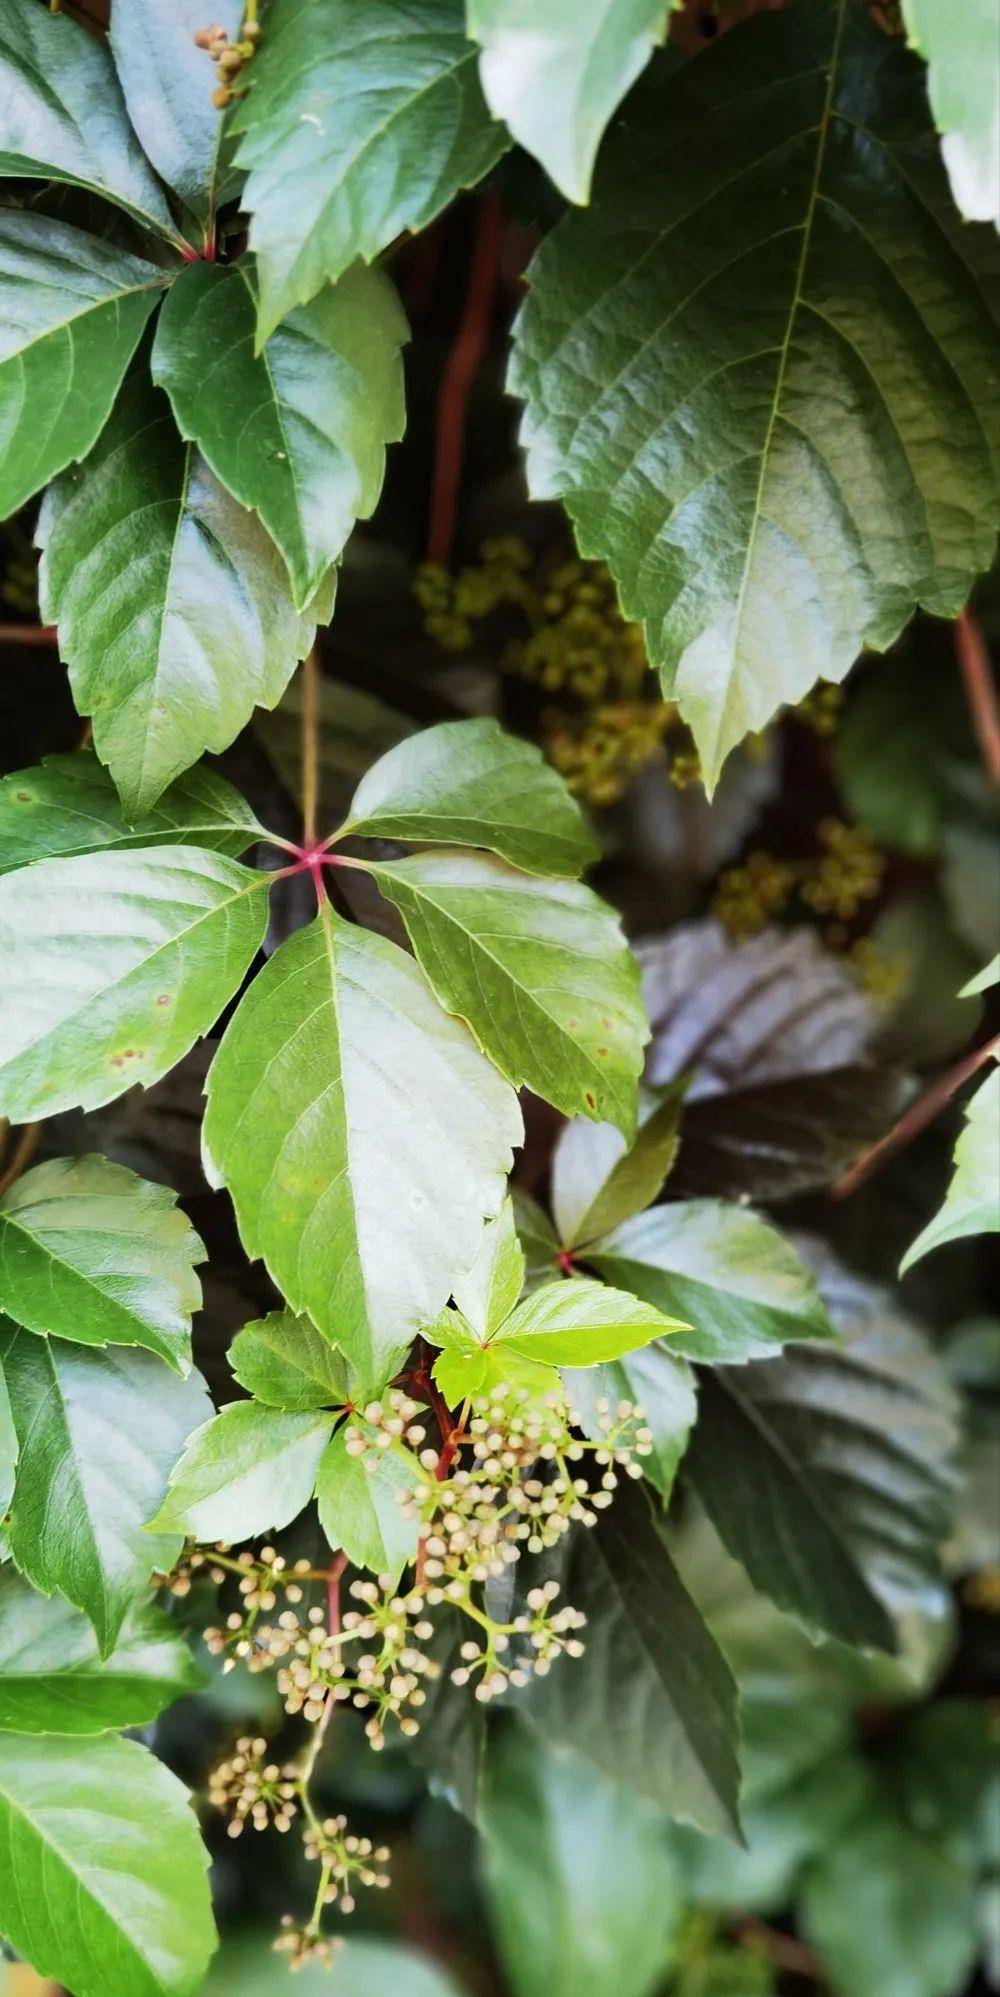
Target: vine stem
980	692
22	1155
309	746
467	351
28	634
913	1120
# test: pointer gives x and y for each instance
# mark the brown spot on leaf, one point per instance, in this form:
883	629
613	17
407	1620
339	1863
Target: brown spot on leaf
590	1100
164	998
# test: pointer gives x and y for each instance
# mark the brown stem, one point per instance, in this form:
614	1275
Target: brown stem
913	1120
22	1155
783	1950
463	361
28	634
310	745
980	691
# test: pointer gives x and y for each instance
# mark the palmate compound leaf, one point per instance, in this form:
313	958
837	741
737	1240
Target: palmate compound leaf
115	963
959	44
539	970
72	310
248	1470
556	70
54	1680
318	404
470	783
362	1135
174	608
972	1202
167	81
62	116
91	1252
759	369
738	1284
68	805
99	1432
374	134
102	1870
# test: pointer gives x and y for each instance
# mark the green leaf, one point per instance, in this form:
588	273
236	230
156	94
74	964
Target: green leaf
116	963
248	1470
536	1235
53	1679
9	1447
69	805
661	1385
360	1509
93	1253
244	1969
960	46
581	1323
375	134
972	1202
168	85
722	1270
580	1884
174	609
828	1472
538	969
363	1137
718	359
652	1701
469	783
318	404
284	1361
989	975
780	1139
488	1291
103	1886
898	744
99	1432
556	73
465	1366
72	311
62	115
598	1181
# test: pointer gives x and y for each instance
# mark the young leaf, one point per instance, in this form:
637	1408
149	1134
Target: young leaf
488	1291
105	1886
538	969
318	404
168	84
72	310
598	1181
717	359
69	805
828	1472
99	1432
581	1323
963	82
53	1679
360	1509
249	1470
972	1202
284	1361
174	609
376	133
581	1886
95	1254
363	1137
652	1701
62	116
662	1385
739	1286
116	963
466	1365
556	72
469	783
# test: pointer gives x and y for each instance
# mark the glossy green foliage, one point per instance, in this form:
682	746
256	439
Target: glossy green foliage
62	115
972	1202
658	1382
174	607
284	1361
318	404
69	805
54	1680
556	72
99	1433
167	82
468	783
360	1505
363	1137
92	1253
102	1885
249	1470
375	134
539	970
959	44
72	311
758	370
115	964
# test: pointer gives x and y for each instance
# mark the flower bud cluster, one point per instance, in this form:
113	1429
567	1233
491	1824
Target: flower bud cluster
303	1943
344	1859
230	56
248	1788
261	1579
